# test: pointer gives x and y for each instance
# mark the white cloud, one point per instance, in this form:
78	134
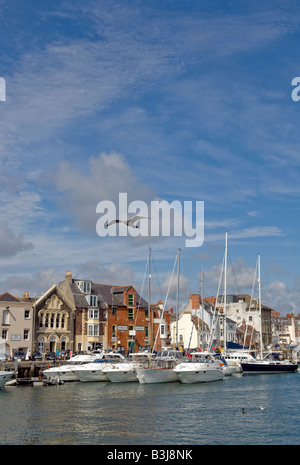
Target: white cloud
10	242
113	273
35	283
282	297
107	176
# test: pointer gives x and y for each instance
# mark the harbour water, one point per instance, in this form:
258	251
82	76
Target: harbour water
165	414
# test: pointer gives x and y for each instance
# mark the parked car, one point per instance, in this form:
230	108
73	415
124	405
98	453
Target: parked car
36	355
19	355
50	356
3	357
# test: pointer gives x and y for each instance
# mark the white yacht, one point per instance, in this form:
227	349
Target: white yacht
125	371
5	377
227	369
95	371
65	372
201	368
235	358
161	369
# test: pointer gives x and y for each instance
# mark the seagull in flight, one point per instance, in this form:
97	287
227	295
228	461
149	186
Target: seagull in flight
130	222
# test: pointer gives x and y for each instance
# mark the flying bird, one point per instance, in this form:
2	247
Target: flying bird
130	222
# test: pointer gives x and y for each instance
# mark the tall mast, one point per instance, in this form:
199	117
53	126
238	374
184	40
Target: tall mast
177	303
149	300
202	299
225	296
259	303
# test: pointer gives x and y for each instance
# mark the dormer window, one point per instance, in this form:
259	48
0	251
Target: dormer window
92	300
84	286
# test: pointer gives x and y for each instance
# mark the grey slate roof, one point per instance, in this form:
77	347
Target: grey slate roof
79	297
108	294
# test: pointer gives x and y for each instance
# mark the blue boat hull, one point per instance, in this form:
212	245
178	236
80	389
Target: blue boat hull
256	368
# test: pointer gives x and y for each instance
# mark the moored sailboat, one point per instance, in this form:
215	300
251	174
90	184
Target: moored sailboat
272	362
161	369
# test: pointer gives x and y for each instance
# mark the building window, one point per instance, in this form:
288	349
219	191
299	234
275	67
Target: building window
4	334
114	310
26	334
130	314
162	330
5	317
63	321
94	313
57	320
114	331
46	320
52	321
92	300
130	299
93	330
84	286
26	314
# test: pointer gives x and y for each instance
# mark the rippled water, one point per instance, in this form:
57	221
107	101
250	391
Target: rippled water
165	414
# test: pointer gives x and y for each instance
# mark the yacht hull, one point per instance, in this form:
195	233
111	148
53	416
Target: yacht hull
5	377
91	375
257	368
200	376
156	375
119	376
62	375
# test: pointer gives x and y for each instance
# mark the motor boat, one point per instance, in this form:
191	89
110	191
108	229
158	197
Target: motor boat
234	358
200	368
271	363
227	369
95	371
125	372
161	369
65	372
5	376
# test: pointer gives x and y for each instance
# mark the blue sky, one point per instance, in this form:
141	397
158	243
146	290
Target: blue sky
174	100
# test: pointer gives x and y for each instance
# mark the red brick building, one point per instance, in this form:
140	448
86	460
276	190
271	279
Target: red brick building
126	318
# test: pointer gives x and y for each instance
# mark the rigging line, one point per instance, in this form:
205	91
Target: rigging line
153	267
183	267
250	305
195	316
215	314
142	290
233	272
165	303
